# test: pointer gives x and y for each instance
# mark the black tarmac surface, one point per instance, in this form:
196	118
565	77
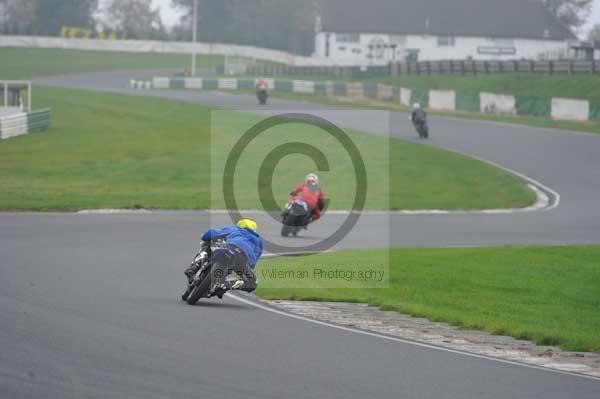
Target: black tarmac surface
89	303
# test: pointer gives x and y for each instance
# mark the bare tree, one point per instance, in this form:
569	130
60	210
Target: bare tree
594	34
45	17
280	24
18	16
136	19
572	13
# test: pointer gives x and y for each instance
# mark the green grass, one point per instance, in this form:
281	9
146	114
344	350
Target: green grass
550	295
581	86
27	63
117	151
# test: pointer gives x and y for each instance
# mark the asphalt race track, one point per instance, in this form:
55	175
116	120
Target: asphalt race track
90	306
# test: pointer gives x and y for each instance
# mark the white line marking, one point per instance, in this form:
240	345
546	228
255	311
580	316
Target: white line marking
405	341
540	187
113	211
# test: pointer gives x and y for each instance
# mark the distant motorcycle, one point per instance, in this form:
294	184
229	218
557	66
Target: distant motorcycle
262	96
419	119
422	128
202	285
295	217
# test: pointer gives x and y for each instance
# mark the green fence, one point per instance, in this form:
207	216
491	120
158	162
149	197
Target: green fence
284	85
177	83
246	84
370	89
38	120
595	112
465	101
535	106
340	89
419	96
320	88
468	101
210	84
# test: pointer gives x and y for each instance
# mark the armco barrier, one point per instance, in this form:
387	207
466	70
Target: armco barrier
283	85
386	92
13	125
370	90
227	84
177	83
405	96
566	109
321	88
419	96
468	101
443	100
355	90
210	84
160	83
23	123
491	103
39	120
246	84
340	89
303	86
536	106
193	83
595	112
140	84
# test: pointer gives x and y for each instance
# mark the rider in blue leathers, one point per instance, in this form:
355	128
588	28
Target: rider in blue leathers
242	252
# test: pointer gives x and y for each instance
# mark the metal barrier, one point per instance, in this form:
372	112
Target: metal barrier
443	100
470	67
23	123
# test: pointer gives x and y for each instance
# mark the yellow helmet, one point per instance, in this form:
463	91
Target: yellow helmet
247	223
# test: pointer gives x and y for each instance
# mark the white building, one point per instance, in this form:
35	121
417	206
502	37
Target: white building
375	32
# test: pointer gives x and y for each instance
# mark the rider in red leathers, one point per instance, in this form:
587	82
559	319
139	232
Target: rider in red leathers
310	192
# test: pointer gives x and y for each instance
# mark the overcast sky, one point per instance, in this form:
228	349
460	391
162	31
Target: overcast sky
595	18
171	16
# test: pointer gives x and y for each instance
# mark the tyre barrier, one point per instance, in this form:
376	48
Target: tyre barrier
21	123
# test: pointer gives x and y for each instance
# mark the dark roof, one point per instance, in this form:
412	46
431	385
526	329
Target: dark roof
595	45
526	19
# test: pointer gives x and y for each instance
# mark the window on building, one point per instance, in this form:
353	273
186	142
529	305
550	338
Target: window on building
347	37
445	41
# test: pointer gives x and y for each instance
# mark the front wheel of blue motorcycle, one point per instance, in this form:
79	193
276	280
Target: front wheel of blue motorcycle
199	289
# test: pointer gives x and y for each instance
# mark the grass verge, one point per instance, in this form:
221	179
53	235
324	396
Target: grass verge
550	295
28	63
580	86
118	151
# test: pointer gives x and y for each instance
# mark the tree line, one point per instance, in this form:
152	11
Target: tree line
279	24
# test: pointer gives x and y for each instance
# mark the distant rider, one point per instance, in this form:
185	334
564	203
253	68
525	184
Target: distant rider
261	85
244	249
311	193
418	115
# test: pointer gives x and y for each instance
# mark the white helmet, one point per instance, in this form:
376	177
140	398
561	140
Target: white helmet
311	178
416	106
